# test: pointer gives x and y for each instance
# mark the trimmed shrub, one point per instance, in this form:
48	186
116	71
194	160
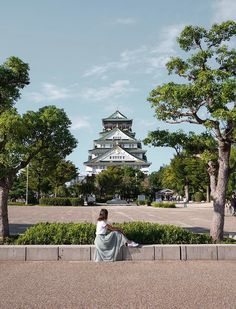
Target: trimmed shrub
84	233
58	233
19	204
163	204
198	196
61	201
76	201
145	202
140	202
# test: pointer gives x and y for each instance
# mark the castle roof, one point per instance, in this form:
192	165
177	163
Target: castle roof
121	154
114	133
117	116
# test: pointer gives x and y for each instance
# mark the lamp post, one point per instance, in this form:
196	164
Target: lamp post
27	185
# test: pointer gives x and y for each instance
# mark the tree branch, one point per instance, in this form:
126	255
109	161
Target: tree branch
24	163
3	142
181	121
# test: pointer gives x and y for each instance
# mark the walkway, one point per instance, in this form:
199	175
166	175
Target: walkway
196	217
88	285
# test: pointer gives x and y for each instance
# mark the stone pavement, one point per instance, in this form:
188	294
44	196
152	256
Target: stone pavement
196	218
73	285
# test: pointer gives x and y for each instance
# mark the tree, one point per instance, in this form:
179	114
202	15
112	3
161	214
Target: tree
22	137
108	181
124	181
154	180
132	183
63	172
186	175
206	98
39	169
189	166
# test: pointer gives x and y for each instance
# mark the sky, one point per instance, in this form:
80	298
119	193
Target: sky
94	57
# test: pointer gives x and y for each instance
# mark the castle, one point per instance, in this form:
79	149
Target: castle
117	146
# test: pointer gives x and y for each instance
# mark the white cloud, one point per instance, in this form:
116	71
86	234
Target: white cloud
80	122
168	39
114	90
144	59
96	70
50	92
99	70
124	109
126	21
224	10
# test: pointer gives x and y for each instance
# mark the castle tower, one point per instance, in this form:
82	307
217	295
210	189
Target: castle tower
117	146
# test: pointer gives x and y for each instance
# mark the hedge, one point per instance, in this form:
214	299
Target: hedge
61	201
84	233
163	204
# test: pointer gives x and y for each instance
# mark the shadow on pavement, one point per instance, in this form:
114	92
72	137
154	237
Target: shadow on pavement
197	229
18	228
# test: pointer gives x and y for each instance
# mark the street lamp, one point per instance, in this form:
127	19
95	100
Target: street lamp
27	185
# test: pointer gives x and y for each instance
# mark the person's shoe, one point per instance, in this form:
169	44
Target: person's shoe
133	244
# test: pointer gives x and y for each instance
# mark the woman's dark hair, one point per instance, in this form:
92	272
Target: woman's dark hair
103	214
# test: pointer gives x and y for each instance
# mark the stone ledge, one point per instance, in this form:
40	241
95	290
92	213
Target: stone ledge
226	252
142	253
74	253
199	252
42	253
167	252
12	253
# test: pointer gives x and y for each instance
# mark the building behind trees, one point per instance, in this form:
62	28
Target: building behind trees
116	146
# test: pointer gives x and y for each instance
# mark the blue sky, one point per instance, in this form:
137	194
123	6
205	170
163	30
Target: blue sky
92	57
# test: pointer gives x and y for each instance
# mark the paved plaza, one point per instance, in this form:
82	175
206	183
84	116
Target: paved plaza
88	285
196	217
132	284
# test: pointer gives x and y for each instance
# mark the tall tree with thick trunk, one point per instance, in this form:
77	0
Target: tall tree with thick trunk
23	137
206	98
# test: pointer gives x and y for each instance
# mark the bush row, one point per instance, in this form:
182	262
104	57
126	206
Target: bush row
163	204
61	201
145	202
84	233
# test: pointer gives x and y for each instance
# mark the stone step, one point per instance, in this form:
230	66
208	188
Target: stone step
142	253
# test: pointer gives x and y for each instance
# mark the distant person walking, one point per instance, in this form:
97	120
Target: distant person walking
108	245
233	204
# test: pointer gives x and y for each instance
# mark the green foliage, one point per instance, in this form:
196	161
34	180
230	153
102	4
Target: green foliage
61	201
187	143
25	137
58	233
199	196
163	204
139	203
210	82
19	204
182	171
84	233
63	172
125	181
14	76
76	201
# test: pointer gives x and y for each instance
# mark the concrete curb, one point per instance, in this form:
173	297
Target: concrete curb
143	253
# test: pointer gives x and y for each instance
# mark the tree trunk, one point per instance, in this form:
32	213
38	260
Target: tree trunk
219	192
208	194
186	192
4	224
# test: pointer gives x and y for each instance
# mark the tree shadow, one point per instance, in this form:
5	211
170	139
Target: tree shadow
197	229
18	228
201	230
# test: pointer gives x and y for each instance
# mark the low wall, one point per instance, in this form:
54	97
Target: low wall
143	253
